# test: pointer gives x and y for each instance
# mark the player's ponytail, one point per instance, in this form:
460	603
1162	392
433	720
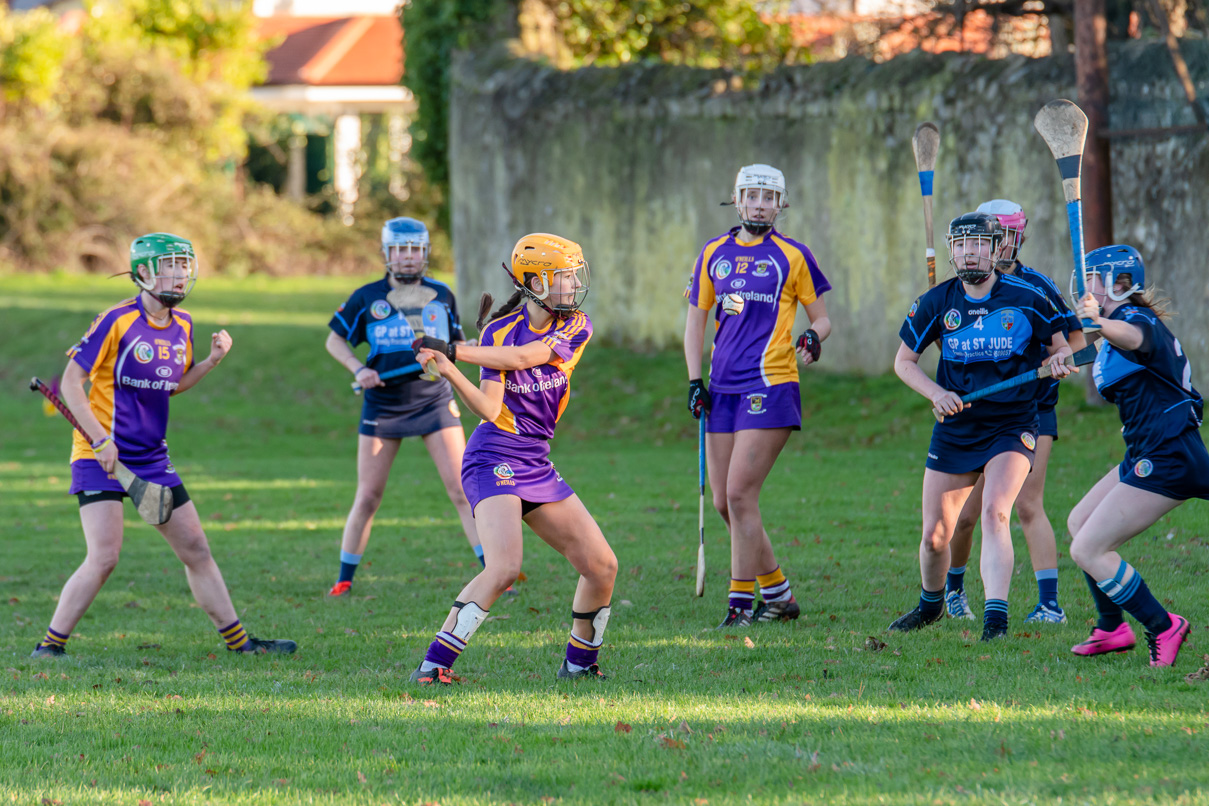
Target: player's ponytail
1146	298
485	302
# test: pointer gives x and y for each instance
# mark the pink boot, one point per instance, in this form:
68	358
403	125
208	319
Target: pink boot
1166	645
1100	641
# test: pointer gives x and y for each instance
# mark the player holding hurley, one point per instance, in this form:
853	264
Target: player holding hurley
986	325
753	278
137	355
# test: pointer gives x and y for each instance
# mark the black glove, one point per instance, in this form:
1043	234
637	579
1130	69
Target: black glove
698	398
449	349
809	341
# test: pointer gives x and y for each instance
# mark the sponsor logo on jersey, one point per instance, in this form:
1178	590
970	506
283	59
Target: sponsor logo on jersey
755	404
380	309
722	269
373	423
1008	320
953	342
1029	440
143	353
1143	468
539	385
453	409
739	283
953	319
914	308
147	383
164	371
761	268
537	371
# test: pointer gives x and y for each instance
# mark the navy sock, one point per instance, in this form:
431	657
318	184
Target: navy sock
1047	587
995	614
1111	615
1135	598
348	566
931	603
956	579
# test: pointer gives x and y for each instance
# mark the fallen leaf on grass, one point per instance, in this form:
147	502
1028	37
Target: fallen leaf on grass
49	802
144	803
671	744
622	727
41	676
874	644
498	618
684	728
974	706
731	637
1200	674
149	646
748	643
361	776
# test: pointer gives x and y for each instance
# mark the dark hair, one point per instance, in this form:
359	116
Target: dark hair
510	305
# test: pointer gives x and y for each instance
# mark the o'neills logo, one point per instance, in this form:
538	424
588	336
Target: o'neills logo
145	383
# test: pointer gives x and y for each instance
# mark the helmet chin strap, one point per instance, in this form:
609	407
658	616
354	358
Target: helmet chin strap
540	300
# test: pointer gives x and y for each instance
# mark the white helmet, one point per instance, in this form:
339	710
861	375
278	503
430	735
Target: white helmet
759	177
1013	219
400	236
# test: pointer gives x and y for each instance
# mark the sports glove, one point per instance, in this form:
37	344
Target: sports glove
449	349
809	341
698	398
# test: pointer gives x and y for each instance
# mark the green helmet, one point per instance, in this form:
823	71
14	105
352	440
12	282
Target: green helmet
156	252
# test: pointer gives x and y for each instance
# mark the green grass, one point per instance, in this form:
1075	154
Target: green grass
148	707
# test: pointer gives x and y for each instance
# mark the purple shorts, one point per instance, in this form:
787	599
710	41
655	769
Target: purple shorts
87	475
496	463
777	406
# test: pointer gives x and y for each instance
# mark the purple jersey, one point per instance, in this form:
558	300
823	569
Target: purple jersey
134	366
535	398
754	349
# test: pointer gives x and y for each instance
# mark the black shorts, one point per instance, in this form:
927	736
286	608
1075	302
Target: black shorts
399	417
180	496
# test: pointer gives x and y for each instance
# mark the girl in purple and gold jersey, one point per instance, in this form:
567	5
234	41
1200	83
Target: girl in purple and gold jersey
137	354
753	278
527	355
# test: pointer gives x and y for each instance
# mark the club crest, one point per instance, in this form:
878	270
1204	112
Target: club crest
722	269
913	309
179	349
761	269
380	309
953	319
1008	320
755	404
1029	440
143	352
1143	468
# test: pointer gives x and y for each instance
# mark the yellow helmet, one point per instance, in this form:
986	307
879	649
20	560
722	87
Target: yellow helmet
544	255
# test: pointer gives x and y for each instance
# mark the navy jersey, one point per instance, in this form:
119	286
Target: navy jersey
983	341
1047	389
1150	386
368	317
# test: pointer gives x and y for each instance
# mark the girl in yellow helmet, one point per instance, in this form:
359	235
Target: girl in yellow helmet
527	355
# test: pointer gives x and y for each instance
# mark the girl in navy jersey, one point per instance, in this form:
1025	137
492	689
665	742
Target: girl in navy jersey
1143	370
985	325
1030	503
389	314
137	355
527	354
752	279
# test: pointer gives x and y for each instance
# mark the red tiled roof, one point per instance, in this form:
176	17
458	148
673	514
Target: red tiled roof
325	51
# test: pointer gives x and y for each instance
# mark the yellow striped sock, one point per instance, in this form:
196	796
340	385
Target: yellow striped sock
773	577
234	635
54	639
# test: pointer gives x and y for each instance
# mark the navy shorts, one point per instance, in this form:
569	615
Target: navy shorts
1179	470
954	451
399	418
777	406
1048	423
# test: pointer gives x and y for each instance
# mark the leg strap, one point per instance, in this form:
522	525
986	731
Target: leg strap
599	618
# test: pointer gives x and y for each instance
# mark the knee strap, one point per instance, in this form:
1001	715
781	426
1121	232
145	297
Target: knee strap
599	618
470	616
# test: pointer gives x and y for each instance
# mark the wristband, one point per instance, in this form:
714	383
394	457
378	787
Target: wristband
100	443
357	371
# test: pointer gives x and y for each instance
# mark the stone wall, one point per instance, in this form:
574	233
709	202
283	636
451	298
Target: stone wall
634	162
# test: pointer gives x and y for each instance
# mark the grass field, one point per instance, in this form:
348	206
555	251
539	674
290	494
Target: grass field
149	708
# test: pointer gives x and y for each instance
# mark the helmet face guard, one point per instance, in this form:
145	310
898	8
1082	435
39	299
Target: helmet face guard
547	257
164	257
405	249
751	184
1110	263
974	240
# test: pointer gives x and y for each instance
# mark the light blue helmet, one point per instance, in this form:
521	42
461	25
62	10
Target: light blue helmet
1112	261
402	236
